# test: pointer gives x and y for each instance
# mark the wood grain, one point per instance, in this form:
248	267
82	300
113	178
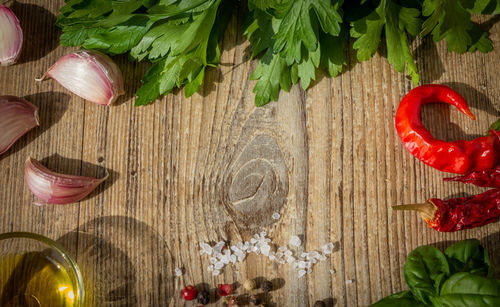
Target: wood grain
214	167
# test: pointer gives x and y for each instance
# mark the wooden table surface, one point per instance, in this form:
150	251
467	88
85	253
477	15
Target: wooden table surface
214	167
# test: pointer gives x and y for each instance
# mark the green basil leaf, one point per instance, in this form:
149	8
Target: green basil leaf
465	289
425	270
404	298
469	256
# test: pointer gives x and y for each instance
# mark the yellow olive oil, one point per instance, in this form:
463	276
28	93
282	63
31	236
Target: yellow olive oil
32	280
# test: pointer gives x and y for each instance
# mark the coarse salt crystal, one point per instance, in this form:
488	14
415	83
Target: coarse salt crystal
295	241
328	248
276	216
349	281
206	248
219	246
210	268
178	272
219	265
265	249
216	272
302	273
332	271
282	248
288	253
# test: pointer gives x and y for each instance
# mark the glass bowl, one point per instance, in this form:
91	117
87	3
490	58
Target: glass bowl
37	271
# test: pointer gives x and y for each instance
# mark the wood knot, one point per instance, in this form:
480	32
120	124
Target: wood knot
257	182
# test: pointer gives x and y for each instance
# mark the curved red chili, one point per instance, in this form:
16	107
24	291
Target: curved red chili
459	213
460	157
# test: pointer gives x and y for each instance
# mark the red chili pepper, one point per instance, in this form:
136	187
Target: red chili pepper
460	157
489	178
459	213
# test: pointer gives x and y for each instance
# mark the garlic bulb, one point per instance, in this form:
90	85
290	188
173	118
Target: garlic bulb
11	37
88	74
54	188
17	116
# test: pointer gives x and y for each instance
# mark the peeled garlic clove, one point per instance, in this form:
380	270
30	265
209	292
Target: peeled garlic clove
11	37
88	74
17	116
54	188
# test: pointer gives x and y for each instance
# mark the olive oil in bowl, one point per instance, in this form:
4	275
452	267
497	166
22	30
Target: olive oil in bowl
34	279
37	271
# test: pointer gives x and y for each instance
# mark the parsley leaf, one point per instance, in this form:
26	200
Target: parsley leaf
180	36
450	20
294	38
185	54
397	21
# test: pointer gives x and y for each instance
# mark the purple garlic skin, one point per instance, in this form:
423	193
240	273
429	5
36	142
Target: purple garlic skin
54	188
88	74
11	37
17	117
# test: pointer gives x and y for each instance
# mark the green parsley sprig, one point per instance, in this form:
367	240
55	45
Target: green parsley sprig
291	38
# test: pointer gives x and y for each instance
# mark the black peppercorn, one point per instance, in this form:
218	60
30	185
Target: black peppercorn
319	304
203	297
254	299
266	286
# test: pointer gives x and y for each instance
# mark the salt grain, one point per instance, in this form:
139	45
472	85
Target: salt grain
261	244
349	281
332	271
295	241
302	273
178	272
219	265
265	250
218	247
205	248
276	216
327	248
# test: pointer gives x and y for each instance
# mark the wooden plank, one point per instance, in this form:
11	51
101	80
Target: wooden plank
214	167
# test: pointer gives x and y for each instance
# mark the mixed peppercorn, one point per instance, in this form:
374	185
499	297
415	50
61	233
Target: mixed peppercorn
226	290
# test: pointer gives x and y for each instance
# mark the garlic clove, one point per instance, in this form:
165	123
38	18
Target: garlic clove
11	37
89	74
17	116
54	188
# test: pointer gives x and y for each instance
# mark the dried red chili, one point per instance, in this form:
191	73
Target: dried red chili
489	178
459	213
460	157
